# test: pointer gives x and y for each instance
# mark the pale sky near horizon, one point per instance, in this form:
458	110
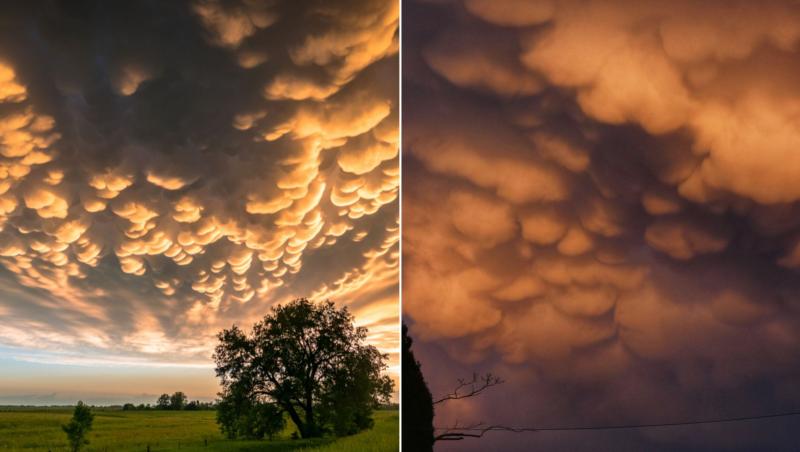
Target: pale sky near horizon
169	169
26	382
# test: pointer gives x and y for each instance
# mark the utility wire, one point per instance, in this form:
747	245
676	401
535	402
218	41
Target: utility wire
620	426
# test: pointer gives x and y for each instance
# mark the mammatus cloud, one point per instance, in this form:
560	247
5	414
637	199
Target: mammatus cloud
601	205
163	178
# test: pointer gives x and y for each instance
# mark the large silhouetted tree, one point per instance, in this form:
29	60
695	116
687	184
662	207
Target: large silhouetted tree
304	359
416	401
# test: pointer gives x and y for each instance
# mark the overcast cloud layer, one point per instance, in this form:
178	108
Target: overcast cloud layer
170	168
601	206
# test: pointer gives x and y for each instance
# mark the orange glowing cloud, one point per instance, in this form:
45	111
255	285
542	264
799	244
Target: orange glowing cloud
599	194
179	194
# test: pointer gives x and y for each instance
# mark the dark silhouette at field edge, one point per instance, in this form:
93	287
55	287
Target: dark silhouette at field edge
417	402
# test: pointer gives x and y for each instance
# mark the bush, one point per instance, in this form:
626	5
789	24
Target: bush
79	426
239	417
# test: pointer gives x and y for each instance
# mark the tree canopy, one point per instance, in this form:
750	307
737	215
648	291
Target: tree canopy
306	360
163	402
177	401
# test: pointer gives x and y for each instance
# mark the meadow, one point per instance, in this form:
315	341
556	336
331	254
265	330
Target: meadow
35	430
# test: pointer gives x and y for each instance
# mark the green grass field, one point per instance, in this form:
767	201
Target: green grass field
40	430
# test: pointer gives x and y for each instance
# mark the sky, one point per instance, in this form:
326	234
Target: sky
600	206
169	169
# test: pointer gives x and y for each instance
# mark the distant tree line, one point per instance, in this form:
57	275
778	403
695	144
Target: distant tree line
175	402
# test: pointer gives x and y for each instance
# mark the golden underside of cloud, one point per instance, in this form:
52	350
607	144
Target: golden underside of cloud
178	244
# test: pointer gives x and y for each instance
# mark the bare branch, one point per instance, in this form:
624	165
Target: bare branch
457	433
471	388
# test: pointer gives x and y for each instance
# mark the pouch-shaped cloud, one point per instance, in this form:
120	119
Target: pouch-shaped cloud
601	206
481	60
147	182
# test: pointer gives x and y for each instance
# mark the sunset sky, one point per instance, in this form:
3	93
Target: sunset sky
600	206
168	169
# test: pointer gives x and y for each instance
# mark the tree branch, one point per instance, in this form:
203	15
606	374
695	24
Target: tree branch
471	388
457	433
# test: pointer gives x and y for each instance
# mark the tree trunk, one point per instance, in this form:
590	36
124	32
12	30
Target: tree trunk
311	424
301	426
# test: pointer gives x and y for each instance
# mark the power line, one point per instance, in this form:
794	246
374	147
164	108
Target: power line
455	430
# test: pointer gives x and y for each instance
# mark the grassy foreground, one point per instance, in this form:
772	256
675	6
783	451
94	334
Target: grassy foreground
40	430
